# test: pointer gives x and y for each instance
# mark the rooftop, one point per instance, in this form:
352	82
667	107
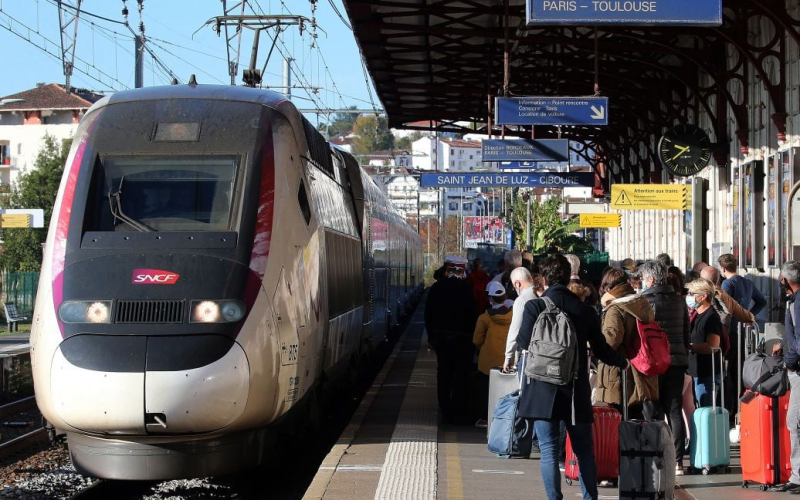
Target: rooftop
50	96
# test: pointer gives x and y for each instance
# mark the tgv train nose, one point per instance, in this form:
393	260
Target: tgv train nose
134	385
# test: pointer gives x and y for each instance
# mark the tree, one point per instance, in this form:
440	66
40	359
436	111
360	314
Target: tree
550	230
371	134
36	188
404	143
342	122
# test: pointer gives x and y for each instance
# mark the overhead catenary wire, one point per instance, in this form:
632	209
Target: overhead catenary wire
114	83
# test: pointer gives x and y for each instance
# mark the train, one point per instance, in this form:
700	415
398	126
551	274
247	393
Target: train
212	266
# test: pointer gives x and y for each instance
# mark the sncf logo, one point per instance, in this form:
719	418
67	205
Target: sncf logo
154	277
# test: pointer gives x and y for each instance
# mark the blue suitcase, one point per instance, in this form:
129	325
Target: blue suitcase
710	446
511	436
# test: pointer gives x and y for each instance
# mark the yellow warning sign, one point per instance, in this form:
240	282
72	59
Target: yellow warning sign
650	196
15	220
601	220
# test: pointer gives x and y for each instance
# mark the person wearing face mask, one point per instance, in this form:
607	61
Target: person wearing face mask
790	281
672	316
450	316
706	333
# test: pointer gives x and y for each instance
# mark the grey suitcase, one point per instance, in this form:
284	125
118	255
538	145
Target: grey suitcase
646	457
502	384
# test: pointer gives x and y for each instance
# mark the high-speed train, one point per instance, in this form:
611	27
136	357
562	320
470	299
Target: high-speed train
212	264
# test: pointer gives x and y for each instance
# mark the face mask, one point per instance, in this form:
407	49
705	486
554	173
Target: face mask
644	286
690	302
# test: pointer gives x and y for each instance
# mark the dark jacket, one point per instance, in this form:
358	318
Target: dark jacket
791	334
450	310
541	400
672	316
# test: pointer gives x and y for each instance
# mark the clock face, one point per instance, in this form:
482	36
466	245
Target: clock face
685	150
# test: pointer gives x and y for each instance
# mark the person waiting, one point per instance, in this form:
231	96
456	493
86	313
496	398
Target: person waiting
549	404
790	282
490	335
706	333
672	316
621	310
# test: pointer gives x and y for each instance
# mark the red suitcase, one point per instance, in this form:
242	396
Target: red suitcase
605	433
765	452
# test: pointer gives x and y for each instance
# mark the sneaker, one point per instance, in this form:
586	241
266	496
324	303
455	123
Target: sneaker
678	470
482	423
562	466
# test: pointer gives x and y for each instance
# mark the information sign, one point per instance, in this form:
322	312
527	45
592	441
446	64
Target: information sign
650	196
628	12
543	179
551	110
525	150
15	220
601	220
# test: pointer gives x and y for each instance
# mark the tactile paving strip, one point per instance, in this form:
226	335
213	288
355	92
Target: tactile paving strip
410	467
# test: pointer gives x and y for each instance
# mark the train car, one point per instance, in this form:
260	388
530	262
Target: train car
212	264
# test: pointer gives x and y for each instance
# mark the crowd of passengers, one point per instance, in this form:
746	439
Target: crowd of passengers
471	311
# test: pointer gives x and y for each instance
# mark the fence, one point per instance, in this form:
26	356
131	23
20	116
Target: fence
20	288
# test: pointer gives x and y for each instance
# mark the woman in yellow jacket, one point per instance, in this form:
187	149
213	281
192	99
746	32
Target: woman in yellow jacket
490	339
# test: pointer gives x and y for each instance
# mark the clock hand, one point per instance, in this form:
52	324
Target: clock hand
683	149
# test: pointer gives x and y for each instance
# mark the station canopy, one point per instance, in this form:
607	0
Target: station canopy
443	62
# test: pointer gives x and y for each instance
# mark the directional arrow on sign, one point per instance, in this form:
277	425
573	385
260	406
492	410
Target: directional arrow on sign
552	110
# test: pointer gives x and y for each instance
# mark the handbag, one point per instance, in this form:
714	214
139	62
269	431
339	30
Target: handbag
765	375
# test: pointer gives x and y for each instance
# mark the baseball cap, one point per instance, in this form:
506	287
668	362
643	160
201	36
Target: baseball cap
495	289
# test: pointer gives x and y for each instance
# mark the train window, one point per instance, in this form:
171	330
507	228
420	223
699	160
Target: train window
149	193
302	198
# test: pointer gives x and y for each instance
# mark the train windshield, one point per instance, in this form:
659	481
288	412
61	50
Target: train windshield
143	193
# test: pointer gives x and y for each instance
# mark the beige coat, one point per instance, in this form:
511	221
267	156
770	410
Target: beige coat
619	329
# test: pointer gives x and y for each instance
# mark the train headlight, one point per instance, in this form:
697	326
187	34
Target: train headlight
85	311
217	311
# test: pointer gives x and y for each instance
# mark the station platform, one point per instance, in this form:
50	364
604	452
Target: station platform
395	448
13	344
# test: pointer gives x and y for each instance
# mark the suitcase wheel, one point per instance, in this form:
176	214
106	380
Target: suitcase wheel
745	484
763	487
569	482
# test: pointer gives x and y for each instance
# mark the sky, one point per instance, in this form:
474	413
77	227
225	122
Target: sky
179	39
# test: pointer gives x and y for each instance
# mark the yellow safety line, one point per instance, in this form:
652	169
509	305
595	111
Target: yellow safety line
455	488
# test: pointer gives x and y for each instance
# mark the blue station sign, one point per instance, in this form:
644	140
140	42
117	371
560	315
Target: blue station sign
525	150
628	12
543	179
551	111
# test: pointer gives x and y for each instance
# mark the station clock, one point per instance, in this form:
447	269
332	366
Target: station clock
684	150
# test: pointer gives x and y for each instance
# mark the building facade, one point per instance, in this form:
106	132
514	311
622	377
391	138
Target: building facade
27	117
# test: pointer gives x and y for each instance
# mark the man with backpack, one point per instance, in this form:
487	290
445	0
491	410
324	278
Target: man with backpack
672	316
556	329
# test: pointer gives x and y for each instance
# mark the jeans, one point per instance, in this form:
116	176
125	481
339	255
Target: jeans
580	435
670	394
703	389
793	423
